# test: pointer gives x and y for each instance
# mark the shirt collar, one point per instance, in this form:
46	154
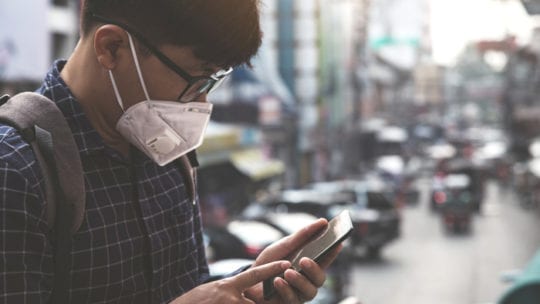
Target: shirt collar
87	138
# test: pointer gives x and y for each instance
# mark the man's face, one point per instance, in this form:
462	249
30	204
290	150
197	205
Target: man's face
170	72
163	83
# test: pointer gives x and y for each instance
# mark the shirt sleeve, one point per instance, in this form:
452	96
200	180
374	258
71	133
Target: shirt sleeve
26	263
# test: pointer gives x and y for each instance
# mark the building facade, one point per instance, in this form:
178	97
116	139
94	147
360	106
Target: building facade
32	34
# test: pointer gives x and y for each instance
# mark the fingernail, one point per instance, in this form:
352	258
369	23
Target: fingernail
304	263
291	273
285	265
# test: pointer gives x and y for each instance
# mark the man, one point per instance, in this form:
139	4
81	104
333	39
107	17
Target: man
134	94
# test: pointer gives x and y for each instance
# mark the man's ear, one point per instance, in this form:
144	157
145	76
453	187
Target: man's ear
109	40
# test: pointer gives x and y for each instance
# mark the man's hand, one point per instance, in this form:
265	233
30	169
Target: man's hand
231	290
294	287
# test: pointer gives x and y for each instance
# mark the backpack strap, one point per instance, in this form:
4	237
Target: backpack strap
189	174
27	110
44	127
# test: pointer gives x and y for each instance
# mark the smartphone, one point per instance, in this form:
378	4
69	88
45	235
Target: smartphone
338	229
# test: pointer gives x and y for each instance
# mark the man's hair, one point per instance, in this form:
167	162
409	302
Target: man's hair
222	32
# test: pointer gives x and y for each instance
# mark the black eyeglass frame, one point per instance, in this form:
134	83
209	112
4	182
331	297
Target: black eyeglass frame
211	80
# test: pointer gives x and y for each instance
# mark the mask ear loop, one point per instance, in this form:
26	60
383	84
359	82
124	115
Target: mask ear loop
136	59
116	91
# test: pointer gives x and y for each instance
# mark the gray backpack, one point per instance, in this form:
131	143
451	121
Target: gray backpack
42	124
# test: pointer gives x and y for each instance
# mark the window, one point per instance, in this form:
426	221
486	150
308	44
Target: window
59	45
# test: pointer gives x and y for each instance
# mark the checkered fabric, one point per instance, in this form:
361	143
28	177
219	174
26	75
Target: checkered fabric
140	241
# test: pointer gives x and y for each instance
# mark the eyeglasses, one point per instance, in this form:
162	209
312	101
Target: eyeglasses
197	85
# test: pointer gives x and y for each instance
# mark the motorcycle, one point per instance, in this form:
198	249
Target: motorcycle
455	202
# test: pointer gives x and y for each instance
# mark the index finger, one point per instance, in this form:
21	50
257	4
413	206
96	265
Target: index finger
258	274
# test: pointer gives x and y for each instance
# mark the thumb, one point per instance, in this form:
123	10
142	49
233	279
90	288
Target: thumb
258	274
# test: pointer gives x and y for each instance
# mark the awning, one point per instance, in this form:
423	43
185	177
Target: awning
247	98
219	137
256	165
218	143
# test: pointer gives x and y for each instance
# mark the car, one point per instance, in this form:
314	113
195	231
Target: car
239	239
455	201
449	186
395	164
476	174
286	223
495	157
376	212
402	176
373	227
527	183
364	192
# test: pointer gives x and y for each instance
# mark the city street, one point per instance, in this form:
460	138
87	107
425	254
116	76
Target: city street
429	266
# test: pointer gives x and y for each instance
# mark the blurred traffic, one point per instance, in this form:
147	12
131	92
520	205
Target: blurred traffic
406	201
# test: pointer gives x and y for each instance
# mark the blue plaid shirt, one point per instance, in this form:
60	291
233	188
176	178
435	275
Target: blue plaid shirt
140	241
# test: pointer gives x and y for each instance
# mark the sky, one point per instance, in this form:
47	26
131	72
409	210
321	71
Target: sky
454	23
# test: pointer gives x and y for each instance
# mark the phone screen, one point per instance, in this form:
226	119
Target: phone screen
338	229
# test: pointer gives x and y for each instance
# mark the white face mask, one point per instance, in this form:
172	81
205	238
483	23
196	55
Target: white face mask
163	130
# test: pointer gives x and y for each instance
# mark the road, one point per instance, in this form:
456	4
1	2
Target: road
428	266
